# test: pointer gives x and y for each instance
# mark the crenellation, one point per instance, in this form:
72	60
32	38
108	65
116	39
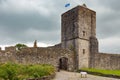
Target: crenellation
11	48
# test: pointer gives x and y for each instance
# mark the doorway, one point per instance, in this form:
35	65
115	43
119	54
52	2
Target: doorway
63	63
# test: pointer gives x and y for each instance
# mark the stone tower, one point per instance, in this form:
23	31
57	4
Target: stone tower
35	44
78	32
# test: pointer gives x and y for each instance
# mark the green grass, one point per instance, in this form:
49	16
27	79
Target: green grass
102	72
12	71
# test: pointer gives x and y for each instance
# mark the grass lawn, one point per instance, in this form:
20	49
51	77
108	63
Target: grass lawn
101	72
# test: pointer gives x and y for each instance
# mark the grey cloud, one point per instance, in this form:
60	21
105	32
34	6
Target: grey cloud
113	4
26	21
15	25
30	24
109	26
108	20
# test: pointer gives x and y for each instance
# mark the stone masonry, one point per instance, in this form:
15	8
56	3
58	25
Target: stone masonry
37	56
78	47
78	25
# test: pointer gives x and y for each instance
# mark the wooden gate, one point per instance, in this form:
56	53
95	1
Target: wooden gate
63	63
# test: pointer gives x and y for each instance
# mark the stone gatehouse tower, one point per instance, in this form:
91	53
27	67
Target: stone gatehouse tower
79	34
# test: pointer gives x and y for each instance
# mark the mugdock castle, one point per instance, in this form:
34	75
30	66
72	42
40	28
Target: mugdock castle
78	47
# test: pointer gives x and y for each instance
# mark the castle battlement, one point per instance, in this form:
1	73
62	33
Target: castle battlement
10	48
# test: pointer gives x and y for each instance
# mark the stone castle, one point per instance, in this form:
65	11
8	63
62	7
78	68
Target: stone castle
78	47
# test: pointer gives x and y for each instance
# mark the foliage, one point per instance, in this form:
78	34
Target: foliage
8	71
20	46
102	72
71	48
12	71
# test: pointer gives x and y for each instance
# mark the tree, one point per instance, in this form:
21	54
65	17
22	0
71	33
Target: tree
20	46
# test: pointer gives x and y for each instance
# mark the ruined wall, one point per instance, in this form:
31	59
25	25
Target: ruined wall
102	60
38	56
107	61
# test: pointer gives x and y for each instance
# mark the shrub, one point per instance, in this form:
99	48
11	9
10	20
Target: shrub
12	71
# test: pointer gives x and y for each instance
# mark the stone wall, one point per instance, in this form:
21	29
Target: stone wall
38	56
107	61
83	53
78	25
102	60
93	50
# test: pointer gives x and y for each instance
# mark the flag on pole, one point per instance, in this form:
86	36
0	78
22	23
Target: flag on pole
67	5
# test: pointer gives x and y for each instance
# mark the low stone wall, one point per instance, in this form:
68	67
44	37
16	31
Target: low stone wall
107	61
38	56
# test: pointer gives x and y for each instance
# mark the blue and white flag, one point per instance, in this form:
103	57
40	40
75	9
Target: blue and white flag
67	5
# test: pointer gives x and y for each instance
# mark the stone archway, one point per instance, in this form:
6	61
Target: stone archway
63	63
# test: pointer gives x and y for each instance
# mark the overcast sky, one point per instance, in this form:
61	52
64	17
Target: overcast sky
23	21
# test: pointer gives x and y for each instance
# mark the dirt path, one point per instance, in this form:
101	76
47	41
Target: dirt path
63	75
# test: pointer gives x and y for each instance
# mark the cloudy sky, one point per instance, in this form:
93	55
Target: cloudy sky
23	21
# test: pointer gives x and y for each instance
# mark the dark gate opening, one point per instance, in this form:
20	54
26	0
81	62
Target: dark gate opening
63	63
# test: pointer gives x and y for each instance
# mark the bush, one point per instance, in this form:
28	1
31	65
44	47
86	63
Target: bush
12	71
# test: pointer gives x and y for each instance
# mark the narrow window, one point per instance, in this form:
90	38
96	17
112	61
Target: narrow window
83	51
83	33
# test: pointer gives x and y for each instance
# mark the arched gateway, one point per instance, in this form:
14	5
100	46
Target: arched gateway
63	63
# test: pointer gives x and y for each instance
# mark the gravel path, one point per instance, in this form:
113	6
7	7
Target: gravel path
63	75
